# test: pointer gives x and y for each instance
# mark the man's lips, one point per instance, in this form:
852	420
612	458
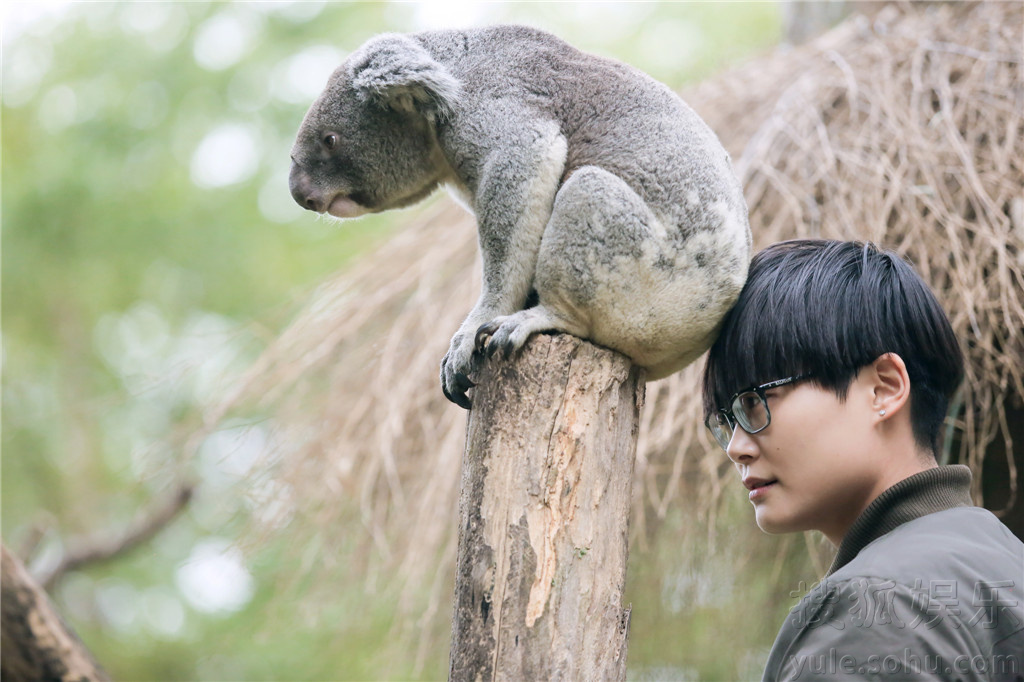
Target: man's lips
758	486
754	482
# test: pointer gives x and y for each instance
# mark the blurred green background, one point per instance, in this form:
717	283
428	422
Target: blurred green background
151	249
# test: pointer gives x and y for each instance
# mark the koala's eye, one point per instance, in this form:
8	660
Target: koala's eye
330	140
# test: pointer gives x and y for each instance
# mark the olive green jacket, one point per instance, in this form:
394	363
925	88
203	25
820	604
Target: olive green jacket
925	586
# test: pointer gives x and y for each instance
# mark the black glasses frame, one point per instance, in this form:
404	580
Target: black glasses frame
730	417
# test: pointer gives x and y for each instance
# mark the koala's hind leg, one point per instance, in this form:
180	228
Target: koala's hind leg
600	232
611	270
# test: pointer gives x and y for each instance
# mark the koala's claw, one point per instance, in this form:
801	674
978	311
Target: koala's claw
458	393
502	336
483	334
503	349
463	382
455	379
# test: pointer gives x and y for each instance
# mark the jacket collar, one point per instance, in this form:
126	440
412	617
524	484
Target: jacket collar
923	493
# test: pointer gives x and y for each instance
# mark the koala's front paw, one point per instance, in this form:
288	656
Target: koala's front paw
456	366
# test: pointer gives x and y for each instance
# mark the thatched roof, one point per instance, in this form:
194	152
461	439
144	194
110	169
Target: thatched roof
906	129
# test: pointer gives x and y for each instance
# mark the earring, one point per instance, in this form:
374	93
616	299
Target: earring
881	413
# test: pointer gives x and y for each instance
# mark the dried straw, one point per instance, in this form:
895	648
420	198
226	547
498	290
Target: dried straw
906	129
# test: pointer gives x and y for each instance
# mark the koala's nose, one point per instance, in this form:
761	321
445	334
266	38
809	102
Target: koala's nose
309	202
303	192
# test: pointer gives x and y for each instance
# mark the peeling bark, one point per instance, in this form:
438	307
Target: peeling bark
544	511
35	643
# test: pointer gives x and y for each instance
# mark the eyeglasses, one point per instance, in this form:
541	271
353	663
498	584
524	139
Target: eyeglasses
748	408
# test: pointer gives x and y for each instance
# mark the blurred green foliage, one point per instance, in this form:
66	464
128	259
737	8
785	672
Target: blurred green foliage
151	249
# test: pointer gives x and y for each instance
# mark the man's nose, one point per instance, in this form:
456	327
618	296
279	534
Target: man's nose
742	447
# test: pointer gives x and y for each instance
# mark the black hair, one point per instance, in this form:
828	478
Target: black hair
828	308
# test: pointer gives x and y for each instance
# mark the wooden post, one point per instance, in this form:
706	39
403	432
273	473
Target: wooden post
544	511
35	643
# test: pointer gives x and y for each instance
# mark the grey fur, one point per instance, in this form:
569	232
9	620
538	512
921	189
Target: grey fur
594	186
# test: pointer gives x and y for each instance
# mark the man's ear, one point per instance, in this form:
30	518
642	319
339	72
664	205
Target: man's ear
890	384
394	71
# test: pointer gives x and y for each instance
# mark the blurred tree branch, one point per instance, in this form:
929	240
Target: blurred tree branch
105	545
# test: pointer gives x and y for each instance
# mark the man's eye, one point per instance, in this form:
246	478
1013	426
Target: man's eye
749	401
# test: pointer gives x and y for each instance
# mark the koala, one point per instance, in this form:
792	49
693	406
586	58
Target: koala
606	208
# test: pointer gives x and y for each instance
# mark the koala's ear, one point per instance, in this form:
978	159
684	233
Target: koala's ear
393	70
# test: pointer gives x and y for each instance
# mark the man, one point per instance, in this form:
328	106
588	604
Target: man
828	387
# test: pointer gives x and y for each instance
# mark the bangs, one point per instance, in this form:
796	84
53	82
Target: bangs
826	309
775	331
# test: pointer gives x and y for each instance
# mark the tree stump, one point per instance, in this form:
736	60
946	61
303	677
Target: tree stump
37	646
544	512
